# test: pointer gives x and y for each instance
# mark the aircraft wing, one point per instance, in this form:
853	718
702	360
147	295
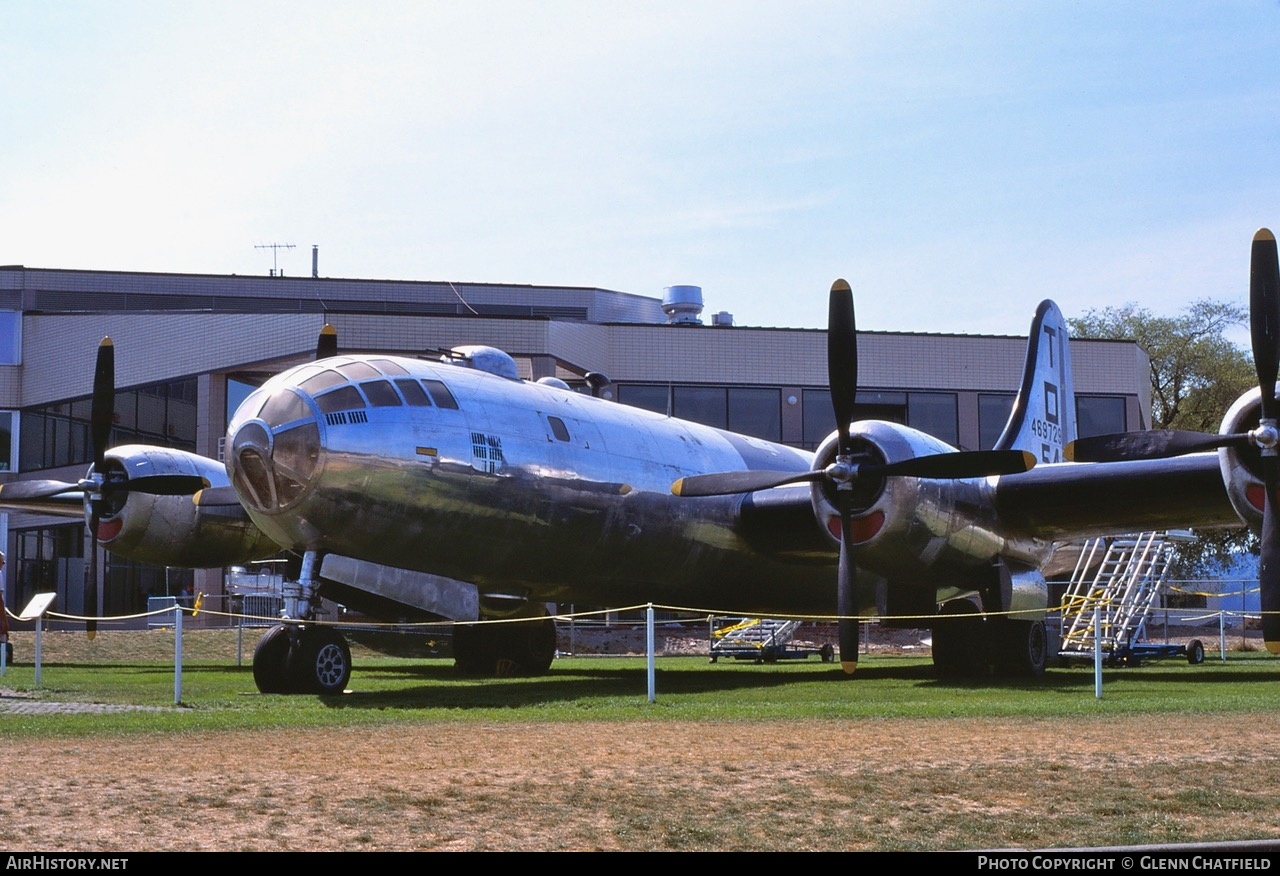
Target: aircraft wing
781	522
1067	501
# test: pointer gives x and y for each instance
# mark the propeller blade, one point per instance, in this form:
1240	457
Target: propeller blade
842	359
29	491
730	482
962	464
160	485
91	574
846	597
101	417
1264	326
102	411
327	342
1264	316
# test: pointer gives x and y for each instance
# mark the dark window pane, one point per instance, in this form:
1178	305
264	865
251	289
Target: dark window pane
756	412
440	394
413	393
993	413
650	398
345	398
380	394
701	404
1099	415
934	413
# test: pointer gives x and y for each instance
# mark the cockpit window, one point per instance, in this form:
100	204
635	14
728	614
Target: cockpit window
413	393
359	370
250	406
440	394
321	382
389	368
380	394
284	407
345	398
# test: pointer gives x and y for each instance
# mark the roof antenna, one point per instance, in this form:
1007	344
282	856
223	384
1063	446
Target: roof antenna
275	254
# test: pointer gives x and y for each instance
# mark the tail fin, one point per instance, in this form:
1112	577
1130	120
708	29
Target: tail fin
1044	413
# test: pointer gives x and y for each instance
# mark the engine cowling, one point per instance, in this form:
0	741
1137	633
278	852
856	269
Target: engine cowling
906	528
1242	466
174	530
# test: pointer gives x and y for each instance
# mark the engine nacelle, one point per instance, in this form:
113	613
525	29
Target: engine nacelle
1242	466
907	528
174	530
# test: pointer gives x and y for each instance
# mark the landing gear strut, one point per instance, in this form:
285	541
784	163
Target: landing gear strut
302	658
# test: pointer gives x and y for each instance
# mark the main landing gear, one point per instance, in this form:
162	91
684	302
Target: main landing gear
967	644
302	659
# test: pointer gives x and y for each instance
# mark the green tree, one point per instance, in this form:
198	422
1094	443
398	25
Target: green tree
1196	375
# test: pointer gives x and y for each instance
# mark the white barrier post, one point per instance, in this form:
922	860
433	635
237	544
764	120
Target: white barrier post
648	647
1097	654
39	646
177	655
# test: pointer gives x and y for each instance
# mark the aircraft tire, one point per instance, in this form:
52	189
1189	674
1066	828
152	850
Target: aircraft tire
959	646
505	649
1023	648
269	659
319	662
472	650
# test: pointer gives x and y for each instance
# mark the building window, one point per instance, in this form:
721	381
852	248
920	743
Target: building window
936	414
59	434
8	440
993	413
820	419
10	337
648	397
756	412
701	404
1099	415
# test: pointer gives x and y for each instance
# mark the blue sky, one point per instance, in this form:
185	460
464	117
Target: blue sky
956	162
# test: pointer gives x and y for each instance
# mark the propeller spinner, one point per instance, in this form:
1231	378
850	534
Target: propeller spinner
848	468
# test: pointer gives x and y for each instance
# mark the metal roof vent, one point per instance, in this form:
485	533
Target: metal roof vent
722	318
682	304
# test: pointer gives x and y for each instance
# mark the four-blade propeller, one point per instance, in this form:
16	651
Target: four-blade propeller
1264	332
849	467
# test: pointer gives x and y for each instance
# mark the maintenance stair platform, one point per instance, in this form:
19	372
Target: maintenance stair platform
761	640
1116	583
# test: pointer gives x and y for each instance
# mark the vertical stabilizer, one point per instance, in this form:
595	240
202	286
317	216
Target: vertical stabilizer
1044	413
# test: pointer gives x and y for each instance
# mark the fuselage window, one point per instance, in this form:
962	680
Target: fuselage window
558	428
358	370
321	382
380	394
345	398
440	394
413	393
389	367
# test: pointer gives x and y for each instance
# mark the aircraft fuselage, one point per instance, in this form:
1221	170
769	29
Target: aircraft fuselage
503	483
